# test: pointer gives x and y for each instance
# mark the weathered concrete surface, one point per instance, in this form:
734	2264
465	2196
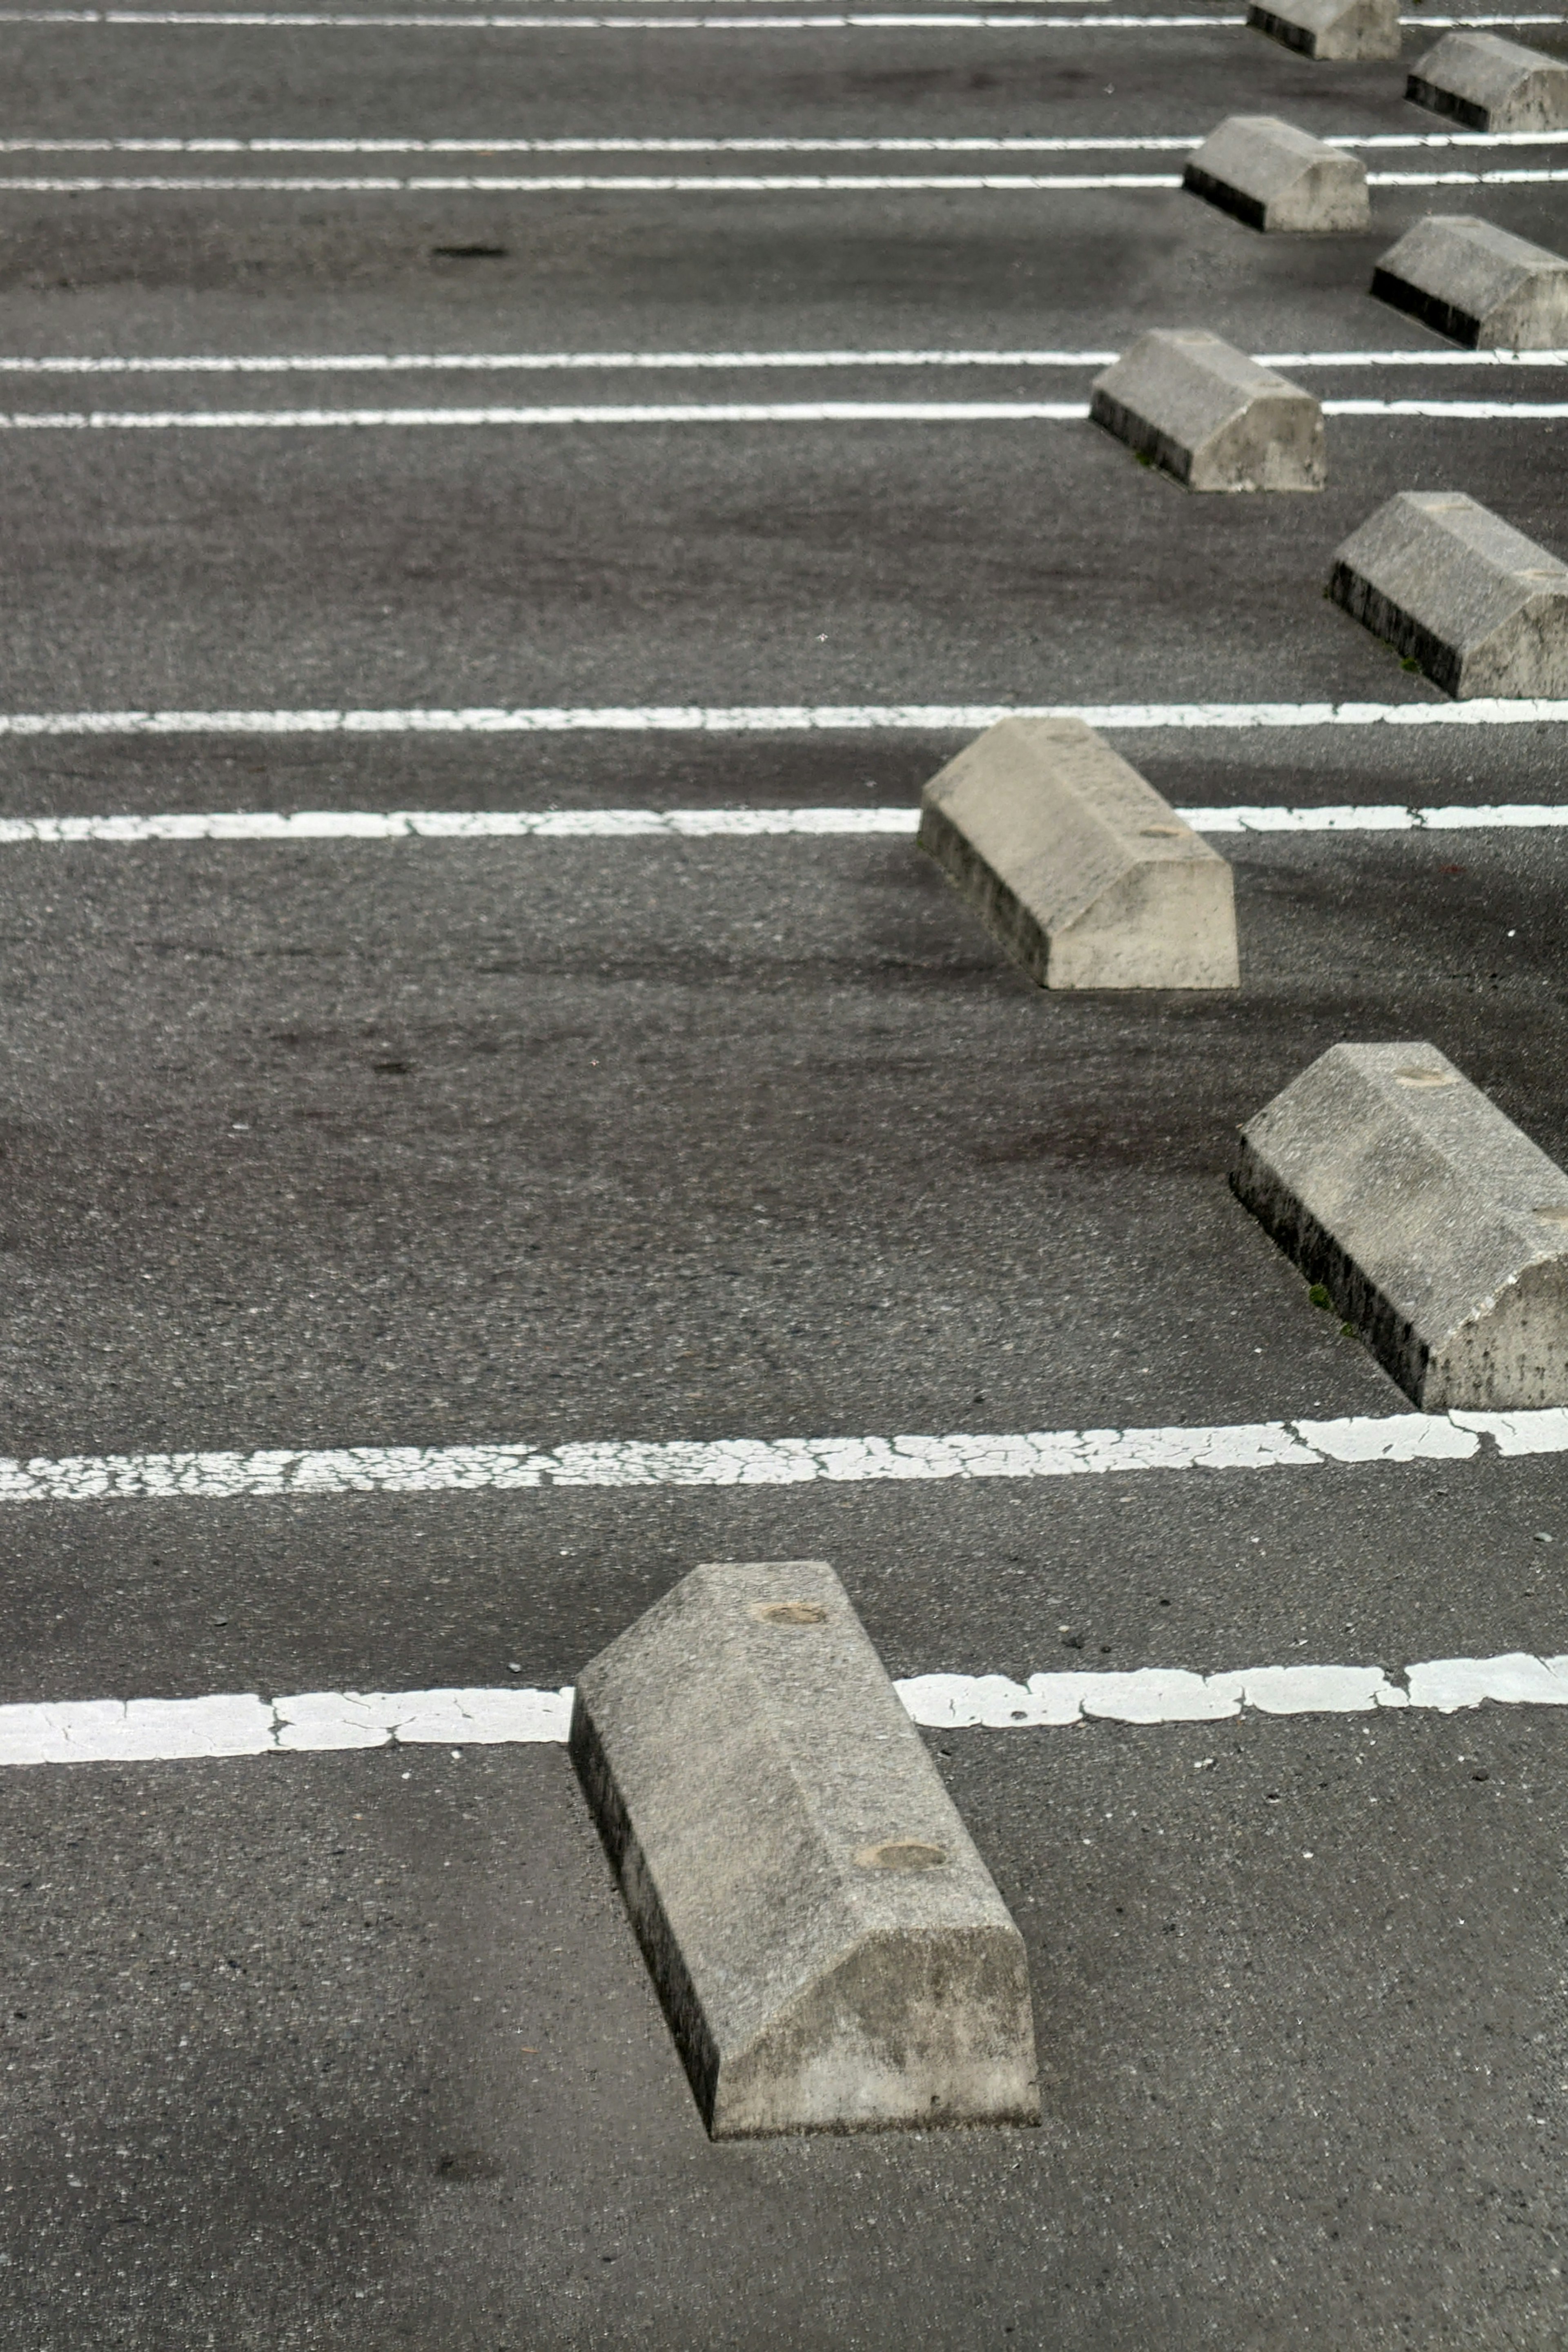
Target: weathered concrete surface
1210	415
831	1952
1082	871
1477	284
1489	84
1273	176
1454	587
1437	1227
1362	29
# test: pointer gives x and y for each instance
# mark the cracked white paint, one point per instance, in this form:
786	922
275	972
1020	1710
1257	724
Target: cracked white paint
708	824
786	717
147	1730
1152	1695
1397	1437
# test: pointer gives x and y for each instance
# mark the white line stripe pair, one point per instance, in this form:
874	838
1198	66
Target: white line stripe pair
238	1723
733	411
1401	1437
709	824
786	717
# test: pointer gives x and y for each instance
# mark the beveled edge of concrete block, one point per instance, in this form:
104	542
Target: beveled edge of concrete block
1485	83
1273	177
1340	31
1525	309
1038	931
1257	433
949	1931
1484	663
1520	1274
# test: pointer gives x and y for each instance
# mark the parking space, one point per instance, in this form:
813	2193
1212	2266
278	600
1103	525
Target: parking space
564	1174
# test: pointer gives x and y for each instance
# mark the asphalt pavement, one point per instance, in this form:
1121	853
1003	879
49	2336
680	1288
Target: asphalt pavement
619	1141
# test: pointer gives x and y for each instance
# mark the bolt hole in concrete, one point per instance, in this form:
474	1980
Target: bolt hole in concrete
789	1612
902	1853
1418	1077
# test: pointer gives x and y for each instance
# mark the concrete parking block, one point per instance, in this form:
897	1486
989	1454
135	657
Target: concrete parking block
1273	176
1477	284
1489	84
1482	609
1210	415
1086	876
1437	1227
1364	29
831	1952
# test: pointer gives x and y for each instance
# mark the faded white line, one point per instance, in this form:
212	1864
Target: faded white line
1078	144
1400	1437
610	184
629	183
556	362
709	824
786	717
240	1722
739	412
693	411
303	20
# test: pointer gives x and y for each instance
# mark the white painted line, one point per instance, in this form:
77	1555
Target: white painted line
552	362
685	412
706	824
780	1461
932	21
144	1731
1078	144
1171	1694
239	1723
785	719
1452	817
1519	411
303	20
626	184
1547	359
613	183
465	824
737	411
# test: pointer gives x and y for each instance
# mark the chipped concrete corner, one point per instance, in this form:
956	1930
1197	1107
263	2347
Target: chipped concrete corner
1439	1228
831	1952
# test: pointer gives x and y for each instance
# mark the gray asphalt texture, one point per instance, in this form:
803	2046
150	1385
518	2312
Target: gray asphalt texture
425	1144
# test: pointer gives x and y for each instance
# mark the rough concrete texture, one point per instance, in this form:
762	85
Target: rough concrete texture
1489	84
1437	1227
831	1952
1452	586
1082	871
1210	415
1273	176
1360	29
1477	284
